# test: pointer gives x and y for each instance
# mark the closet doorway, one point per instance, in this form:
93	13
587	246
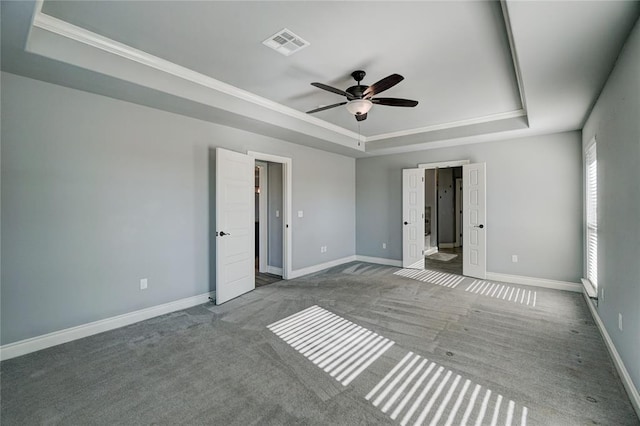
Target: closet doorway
443	238
268	222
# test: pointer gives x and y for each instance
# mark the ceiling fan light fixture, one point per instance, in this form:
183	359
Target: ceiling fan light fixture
359	106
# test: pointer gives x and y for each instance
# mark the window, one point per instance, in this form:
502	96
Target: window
591	201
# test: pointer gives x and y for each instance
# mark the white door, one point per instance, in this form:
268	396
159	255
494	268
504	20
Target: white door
474	249
413	218
235	210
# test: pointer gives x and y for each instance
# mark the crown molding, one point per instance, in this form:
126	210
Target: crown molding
450	125
89	38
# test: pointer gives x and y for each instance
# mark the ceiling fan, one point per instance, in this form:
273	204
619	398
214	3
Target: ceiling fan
360	97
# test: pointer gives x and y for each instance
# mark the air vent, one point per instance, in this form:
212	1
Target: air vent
285	42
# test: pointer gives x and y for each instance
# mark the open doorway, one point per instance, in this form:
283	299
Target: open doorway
473	211
268	222
443	219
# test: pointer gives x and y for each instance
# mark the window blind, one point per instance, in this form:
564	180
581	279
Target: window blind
591	166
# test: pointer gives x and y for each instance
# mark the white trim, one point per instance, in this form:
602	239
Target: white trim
589	288
514	53
44	341
319	267
287	195
431	251
443	164
536	282
379	260
89	38
627	382
450	125
446	245
263	220
274	270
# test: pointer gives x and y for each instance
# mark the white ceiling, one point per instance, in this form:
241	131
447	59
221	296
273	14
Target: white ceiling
456	57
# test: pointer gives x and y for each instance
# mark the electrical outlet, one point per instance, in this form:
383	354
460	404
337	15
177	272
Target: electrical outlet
514	258
300	213
620	321
143	284
384	245
277	213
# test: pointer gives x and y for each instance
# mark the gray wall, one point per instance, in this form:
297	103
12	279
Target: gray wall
615	122
275	223
534	203
98	193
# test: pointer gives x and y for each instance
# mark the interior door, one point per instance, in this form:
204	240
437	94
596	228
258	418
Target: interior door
413	218
474	249
235	210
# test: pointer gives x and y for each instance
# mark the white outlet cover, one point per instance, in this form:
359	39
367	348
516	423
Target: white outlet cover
144	284
384	245
300	213
514	258
277	213
620	321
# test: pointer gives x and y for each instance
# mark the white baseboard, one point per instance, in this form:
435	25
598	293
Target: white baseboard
536	282
429	251
37	343
630	387
589	288
379	260
274	270
319	267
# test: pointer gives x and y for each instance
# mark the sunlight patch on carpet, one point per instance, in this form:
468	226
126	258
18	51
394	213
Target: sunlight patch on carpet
504	292
420	392
340	347
434	277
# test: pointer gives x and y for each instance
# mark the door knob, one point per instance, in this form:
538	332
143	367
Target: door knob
479	226
222	233
406	223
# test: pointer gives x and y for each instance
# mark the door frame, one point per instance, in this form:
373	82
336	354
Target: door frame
445	165
442	165
287	167
263	221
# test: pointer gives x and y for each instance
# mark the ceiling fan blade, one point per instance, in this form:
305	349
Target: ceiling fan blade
394	102
361	117
332	90
325	107
382	85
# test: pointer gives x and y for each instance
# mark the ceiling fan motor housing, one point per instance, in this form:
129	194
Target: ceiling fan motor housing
357	91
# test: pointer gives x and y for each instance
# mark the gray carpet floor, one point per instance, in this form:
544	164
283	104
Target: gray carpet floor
432	348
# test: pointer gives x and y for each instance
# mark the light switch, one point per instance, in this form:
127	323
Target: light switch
300	213
277	213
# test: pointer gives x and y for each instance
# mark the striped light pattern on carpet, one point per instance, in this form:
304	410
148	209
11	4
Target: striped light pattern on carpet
340	347
418	392
504	292
434	277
